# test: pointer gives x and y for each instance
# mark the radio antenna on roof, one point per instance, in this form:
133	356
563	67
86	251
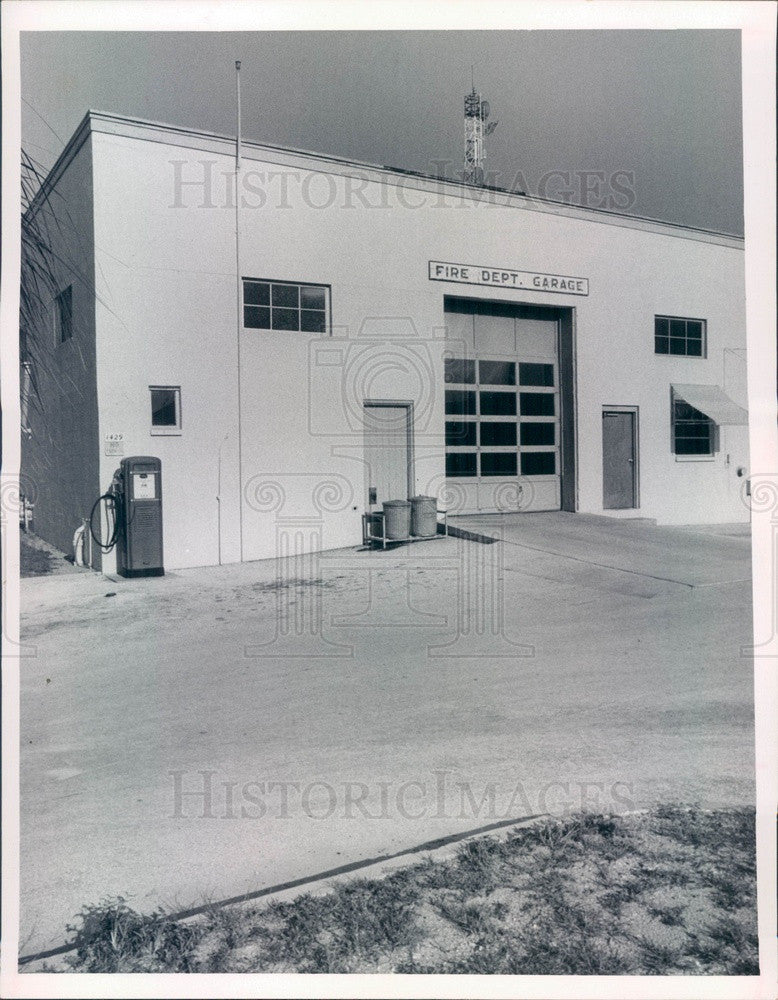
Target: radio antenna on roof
476	115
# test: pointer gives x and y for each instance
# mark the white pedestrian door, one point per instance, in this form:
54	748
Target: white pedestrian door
386	452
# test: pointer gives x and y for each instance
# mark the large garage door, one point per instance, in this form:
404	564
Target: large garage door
502	408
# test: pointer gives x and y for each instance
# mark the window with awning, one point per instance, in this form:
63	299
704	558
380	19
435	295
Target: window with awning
713	402
697	410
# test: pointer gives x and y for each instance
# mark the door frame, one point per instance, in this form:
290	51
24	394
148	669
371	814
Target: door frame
567	357
635	411
407	404
566	318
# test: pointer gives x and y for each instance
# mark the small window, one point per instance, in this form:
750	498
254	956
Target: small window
537	404
165	409
460	463
498	404
460	401
283	305
532	374
681	337
63	314
460	433
537	434
498	463
693	431
498	433
459	370
538	463
497	372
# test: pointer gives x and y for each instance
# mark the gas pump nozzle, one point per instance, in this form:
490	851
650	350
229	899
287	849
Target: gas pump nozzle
117	485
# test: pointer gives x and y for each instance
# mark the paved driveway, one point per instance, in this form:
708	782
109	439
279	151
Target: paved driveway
221	730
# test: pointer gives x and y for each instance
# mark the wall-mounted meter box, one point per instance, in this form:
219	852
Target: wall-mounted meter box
139	545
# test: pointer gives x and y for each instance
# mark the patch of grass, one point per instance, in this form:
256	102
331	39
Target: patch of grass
554	940
670	916
622	892
668	891
226	928
727	948
431	874
658	958
673	875
33	561
727	892
355	922
478	864
112	937
695	827
475	918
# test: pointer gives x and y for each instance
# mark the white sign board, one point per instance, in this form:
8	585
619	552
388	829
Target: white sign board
114	444
144	486
495	277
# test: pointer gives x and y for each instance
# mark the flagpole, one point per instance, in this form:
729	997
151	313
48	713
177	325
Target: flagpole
239	303
237	95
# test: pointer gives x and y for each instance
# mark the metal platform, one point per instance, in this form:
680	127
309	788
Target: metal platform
369	537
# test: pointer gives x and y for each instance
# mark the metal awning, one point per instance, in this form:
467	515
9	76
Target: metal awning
713	402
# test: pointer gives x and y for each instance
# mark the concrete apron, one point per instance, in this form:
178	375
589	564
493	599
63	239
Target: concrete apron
219	731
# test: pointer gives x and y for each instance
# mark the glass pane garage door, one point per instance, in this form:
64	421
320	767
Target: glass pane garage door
502	408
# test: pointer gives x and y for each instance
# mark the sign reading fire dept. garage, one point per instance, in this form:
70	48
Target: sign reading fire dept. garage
503	277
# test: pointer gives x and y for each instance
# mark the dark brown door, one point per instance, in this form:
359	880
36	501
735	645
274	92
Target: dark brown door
618	459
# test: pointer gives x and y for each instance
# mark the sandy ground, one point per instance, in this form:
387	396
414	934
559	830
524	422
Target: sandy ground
219	730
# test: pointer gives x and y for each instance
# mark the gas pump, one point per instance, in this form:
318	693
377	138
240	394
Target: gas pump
133	509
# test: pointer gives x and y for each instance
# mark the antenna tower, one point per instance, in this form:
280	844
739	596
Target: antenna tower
476	116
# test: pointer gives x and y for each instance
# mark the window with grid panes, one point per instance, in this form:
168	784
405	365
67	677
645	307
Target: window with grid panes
682	337
284	305
693	431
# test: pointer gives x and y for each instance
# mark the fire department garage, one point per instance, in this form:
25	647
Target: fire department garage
341	335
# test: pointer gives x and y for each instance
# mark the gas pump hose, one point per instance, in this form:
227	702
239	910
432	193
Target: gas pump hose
110	514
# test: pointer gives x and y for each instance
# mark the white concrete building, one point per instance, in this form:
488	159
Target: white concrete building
352	327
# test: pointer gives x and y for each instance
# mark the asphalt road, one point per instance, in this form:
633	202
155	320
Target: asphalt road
220	730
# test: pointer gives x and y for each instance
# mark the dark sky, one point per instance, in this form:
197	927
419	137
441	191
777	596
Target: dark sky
664	106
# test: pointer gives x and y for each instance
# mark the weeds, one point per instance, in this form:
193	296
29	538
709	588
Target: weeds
572	912
479	864
112	937
358	920
727	948
472	918
658	958
624	892
670	916
33	561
